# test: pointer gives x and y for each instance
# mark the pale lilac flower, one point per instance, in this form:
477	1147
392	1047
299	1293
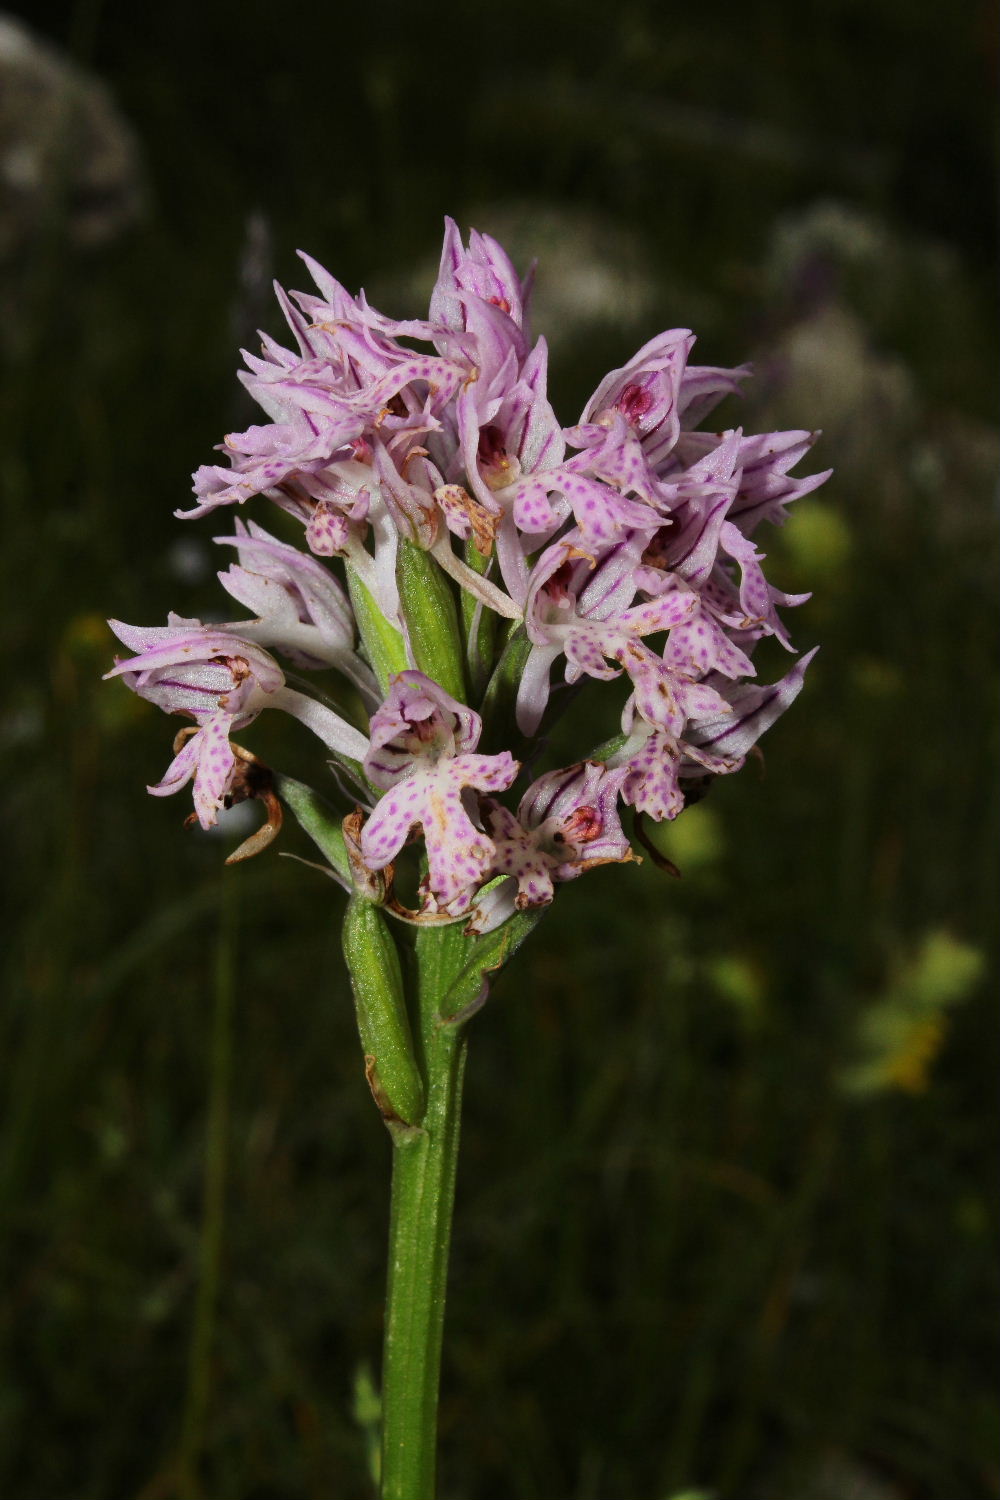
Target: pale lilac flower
421	744
517	433
581	607
657	394
223	682
700	544
263	459
657	756
348	378
567	822
507	447
303	610
484	273
194	669
765	488
638	404
346	365
504	431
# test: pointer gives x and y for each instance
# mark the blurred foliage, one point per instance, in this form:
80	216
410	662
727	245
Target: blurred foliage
701	1240
901	1033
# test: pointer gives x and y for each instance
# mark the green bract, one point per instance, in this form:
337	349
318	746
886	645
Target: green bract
380	1003
427	604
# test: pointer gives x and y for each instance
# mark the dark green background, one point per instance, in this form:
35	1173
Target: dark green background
697	1243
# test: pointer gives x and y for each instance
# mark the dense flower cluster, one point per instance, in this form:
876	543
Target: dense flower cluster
624	544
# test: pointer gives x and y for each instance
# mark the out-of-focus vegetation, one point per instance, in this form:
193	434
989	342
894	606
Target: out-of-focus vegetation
724	1213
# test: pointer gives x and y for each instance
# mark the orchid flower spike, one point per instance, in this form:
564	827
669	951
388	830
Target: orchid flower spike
464	559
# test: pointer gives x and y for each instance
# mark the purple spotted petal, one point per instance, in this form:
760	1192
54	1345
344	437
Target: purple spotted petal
700	645
752	711
417	725
399	811
651	781
208	757
567	823
431	797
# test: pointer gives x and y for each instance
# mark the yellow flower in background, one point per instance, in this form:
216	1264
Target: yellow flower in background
909	1068
899	1036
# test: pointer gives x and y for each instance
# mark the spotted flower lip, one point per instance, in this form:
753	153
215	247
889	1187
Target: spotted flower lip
652	763
704	737
207	756
421	744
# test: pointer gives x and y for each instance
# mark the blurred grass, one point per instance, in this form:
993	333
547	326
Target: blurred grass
687	1254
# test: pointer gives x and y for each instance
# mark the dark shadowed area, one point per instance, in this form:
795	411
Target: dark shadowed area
726	1214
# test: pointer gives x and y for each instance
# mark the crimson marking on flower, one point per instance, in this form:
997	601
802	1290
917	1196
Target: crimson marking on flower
566	823
634	403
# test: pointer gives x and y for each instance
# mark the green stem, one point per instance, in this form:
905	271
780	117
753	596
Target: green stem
423	1189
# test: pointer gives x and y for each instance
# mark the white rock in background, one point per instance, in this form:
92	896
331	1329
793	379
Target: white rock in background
824	359
68	160
591	271
826	364
843	289
842	1477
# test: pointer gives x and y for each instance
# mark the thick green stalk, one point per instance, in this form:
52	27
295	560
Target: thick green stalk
423	1189
453	974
